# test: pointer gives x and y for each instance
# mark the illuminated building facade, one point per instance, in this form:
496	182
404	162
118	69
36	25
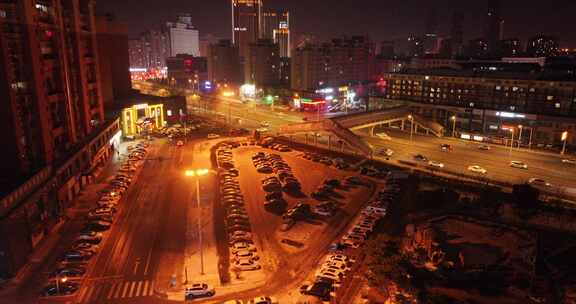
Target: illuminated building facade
246	23
340	61
52	117
485	103
543	46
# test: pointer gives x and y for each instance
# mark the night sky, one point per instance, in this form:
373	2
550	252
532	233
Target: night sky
381	19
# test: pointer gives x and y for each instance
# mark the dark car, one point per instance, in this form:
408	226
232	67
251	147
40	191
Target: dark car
420	157
60	289
332	183
69	272
77	255
98	226
273	195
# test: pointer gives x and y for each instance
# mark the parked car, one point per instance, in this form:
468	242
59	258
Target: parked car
199	290
60	288
245	264
263	300
68	272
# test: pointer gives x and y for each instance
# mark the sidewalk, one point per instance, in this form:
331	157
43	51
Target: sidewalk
38	260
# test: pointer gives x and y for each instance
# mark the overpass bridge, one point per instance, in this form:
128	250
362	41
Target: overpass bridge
393	116
343	126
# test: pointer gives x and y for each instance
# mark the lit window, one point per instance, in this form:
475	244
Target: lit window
557	105
549	97
2	14
471	104
514	89
498	88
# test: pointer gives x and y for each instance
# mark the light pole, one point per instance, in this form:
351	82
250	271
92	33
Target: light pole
564	139
411	125
198	173
453	118
64	279
511	140
530	139
520	127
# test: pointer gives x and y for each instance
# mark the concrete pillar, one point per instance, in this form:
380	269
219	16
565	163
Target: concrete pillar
371	130
402	125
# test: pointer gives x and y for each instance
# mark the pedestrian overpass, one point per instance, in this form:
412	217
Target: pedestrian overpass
343	126
399	116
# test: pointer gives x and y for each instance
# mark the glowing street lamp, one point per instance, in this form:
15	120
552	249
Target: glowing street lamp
453	118
564	139
198	173
411	125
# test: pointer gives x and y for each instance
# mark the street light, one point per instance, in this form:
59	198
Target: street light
511	139
520	127
564	139
453	118
64	279
411	125
198	173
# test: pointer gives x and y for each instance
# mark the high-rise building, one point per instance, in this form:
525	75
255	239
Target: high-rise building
493	31
137	53
510	47
205	41
262	65
246	23
52	117
542	46
114	59
387	49
415	47
457	34
276	26
187	70
224	63
430	37
281	35
478	48
341	61
183	36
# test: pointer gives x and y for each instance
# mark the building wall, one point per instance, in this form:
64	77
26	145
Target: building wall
246	23
183	40
52	111
112	38
262	66
342	61
224	63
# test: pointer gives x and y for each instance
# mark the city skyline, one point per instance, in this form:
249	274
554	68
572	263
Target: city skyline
389	21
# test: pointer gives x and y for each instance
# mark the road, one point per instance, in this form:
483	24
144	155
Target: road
544	165
465	153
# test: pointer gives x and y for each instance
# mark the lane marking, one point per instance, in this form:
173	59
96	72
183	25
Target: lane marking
149	257
126	286
118	290
138	289
151	289
112	290
132	285
145	289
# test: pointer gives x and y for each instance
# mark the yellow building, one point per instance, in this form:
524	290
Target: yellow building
142	117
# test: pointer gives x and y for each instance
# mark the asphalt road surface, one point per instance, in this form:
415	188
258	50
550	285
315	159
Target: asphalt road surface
496	161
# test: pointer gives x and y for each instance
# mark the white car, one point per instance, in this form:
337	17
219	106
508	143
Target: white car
477	169
386	152
518	164
382	136
199	290
435	164
245	264
212	136
569	161
484	147
265	124
264	300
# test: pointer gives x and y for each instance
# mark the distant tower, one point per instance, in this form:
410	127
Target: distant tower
493	26
246	23
431	32
457	33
